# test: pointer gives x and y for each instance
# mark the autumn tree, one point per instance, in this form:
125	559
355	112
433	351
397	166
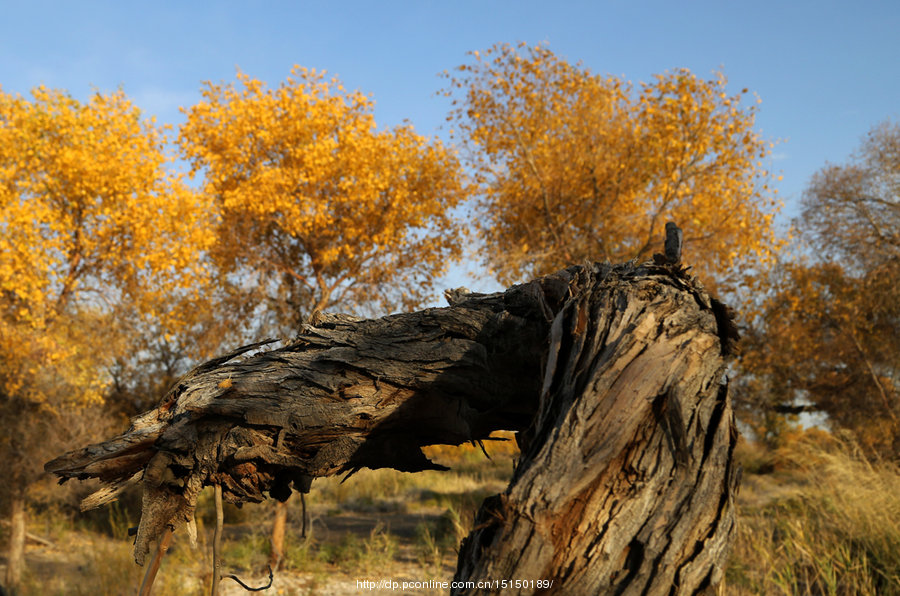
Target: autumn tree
91	219
318	207
828	337
577	166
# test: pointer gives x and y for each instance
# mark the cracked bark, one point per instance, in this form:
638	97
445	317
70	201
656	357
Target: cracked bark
611	375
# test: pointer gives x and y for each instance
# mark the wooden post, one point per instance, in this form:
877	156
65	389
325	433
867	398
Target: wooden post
217	543
150	575
279	525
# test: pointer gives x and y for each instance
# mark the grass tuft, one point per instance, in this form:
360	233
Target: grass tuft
831	526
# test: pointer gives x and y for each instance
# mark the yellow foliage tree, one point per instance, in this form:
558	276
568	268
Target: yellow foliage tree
318	207
576	166
827	338
90	218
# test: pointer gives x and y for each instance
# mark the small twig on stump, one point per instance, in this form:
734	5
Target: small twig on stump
164	542
217	543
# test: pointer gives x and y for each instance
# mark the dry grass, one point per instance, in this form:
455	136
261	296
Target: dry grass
824	521
815	518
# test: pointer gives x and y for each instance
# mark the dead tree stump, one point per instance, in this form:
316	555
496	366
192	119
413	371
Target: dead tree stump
611	375
626	480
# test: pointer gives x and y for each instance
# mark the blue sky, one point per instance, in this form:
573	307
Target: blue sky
826	71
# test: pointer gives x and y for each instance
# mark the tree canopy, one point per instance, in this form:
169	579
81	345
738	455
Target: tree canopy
573	165
318	206
828	336
90	213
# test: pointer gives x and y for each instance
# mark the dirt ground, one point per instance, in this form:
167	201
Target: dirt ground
59	568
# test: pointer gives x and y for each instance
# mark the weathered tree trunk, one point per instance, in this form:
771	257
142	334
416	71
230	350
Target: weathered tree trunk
626	479
15	560
612	375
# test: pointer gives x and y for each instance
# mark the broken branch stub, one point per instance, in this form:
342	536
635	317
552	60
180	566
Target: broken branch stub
612	375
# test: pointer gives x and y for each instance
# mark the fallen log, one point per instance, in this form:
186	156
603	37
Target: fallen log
612	376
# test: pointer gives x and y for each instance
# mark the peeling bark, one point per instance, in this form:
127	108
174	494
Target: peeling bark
612	376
